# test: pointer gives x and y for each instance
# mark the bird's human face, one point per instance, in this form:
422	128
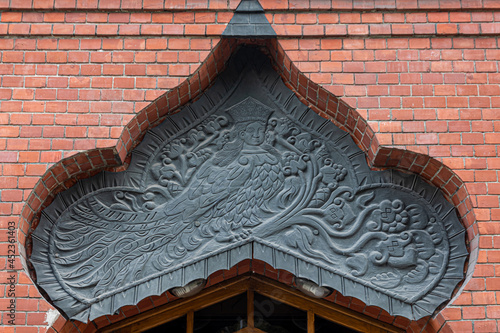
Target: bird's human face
254	134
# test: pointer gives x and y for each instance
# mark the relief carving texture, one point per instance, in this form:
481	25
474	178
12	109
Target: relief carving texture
248	171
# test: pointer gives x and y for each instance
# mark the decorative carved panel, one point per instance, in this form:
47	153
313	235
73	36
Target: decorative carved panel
248	171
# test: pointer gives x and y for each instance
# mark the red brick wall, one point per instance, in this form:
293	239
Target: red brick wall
77	75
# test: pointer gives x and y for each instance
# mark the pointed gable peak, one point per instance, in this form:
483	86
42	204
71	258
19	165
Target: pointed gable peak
249	21
249	6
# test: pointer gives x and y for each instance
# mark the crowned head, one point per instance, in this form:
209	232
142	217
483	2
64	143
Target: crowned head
251	118
250	110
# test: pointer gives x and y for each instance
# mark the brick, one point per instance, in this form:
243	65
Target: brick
402	29
375	67
485	326
493	311
473	313
90	44
69	44
490	28
13	81
483	298
25	44
378	29
424	29
306	18
33	82
182	70
63	29
357	29
153	4
162	18
447	29
76	17
124	83
65	4
329	66
23	94
324	18
129	30
67	94
312	30
12	56
11	17
397	67
488	201
111	95
156	44
131	4
134	70
437	17
90	95
472	29
57	57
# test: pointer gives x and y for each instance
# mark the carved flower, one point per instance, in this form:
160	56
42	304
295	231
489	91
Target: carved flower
303	142
222	140
339	214
334	214
174	149
167	172
293	163
197	158
214	125
196	135
393	216
332	174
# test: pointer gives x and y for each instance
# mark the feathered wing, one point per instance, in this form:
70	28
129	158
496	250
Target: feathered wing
248	205
224	200
101	248
209	197
209	189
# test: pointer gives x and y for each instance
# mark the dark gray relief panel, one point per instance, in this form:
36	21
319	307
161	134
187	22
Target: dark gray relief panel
248	171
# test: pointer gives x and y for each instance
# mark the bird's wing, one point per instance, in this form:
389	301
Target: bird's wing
209	192
102	246
99	246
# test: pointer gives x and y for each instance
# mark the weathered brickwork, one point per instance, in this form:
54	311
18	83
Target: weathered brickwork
417	84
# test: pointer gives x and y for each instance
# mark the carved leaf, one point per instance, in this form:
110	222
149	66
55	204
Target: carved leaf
424	244
388	280
358	264
320	197
419	273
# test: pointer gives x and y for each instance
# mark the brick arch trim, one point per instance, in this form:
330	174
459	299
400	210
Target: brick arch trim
85	164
